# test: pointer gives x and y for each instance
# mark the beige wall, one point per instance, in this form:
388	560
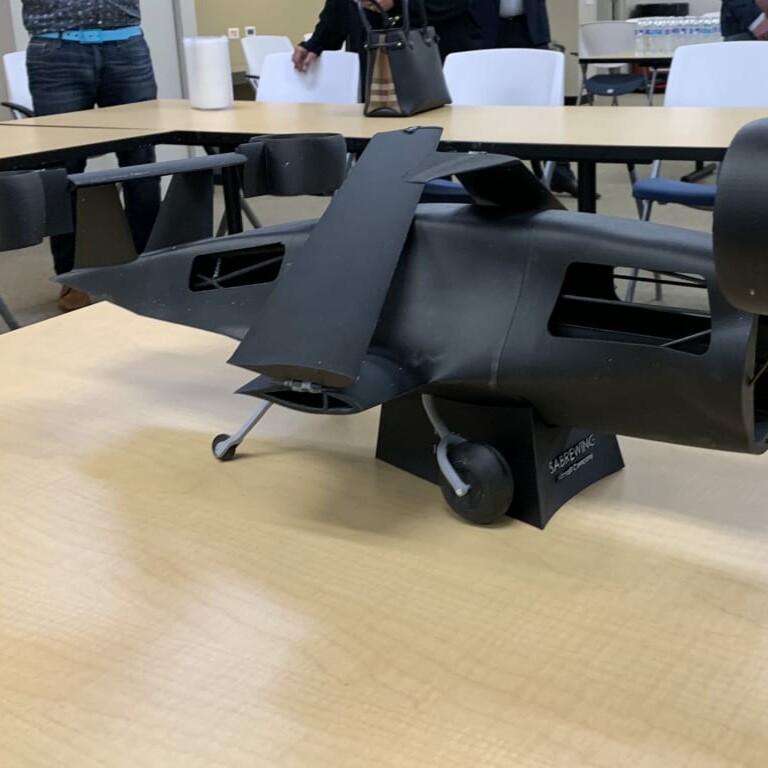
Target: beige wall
7	44
293	18
564	18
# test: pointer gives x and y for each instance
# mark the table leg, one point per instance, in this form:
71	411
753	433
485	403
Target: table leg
231	186
587	186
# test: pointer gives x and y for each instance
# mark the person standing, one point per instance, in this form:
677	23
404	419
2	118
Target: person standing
339	23
82	54
513	23
744	20
522	24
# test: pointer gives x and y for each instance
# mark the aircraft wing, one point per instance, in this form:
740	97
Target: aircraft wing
380	380
318	322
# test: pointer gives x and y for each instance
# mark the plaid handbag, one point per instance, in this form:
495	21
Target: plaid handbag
404	74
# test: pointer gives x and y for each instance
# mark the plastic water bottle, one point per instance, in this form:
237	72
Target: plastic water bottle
714	34
641	37
654	36
668	32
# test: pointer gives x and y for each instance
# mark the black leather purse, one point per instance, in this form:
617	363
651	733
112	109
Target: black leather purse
404	74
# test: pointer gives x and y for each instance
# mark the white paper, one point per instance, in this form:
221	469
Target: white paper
209	72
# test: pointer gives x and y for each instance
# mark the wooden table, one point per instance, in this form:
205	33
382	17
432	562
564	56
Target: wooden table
587	135
24	146
610	133
630	57
305	605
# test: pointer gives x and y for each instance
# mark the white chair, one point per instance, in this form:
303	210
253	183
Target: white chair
256	48
718	75
20	104
334	78
17	84
506	77
499	77
604	38
706	75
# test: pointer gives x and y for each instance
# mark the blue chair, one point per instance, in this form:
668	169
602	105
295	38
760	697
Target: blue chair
603	38
706	75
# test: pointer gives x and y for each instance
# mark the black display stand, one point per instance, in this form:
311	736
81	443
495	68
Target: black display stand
550	465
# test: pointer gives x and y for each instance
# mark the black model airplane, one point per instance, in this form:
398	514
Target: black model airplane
475	311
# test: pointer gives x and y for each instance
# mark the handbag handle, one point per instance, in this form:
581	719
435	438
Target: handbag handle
406	14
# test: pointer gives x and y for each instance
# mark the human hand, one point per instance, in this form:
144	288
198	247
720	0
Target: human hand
302	58
761	30
386	5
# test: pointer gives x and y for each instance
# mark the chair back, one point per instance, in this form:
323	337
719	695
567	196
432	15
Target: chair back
16	83
603	38
334	78
257	47
718	75
506	77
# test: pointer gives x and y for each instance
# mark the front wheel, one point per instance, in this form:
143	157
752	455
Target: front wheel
220	454
490	481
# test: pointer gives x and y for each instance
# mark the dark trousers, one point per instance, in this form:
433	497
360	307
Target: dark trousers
513	33
67	77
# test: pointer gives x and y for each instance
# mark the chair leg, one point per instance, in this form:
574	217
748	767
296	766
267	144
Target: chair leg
222	228
644	210
657	286
583	86
632	285
652	86
632	179
7	316
546	176
249	212
645	214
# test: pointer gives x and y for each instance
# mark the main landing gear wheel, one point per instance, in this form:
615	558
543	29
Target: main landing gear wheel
491	485
475	479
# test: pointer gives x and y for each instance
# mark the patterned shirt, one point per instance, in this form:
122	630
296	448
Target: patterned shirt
41	16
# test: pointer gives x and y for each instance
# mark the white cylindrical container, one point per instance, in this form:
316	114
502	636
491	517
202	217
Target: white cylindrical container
209	72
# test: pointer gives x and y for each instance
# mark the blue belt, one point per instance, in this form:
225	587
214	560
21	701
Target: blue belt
94	36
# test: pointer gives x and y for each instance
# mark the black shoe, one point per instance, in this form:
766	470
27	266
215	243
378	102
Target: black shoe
565	187
568	188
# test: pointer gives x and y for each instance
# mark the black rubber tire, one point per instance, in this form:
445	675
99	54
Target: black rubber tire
230	454
492	486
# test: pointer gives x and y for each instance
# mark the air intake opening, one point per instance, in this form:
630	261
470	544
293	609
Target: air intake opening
681	320
317	402
235	269
760	381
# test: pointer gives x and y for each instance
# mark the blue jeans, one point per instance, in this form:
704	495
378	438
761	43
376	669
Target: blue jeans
67	76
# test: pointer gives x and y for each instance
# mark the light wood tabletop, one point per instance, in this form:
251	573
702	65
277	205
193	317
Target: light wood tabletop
590	131
19	139
305	605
